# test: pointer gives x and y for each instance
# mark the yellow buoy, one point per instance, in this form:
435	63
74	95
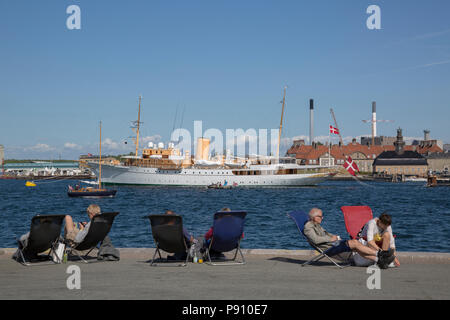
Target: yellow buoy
30	184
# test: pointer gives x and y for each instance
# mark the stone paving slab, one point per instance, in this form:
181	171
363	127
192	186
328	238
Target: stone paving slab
268	274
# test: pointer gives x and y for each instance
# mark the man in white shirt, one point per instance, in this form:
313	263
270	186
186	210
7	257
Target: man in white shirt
377	234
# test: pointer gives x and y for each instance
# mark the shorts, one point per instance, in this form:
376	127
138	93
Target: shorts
361	261
71	235
339	246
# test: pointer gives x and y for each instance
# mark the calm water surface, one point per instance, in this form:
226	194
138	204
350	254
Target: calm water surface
421	216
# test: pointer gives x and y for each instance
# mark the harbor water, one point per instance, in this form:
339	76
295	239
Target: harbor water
421	216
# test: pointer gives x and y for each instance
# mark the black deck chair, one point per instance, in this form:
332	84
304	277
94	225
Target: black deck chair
167	231
99	228
228	227
44	234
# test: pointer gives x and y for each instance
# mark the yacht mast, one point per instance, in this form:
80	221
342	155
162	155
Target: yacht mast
281	124
137	127
100	161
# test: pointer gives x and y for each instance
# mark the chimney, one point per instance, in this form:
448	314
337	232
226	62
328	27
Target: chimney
374	121
311	121
399	144
426	135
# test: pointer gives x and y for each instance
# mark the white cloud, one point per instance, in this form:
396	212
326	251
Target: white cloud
147	139
70	145
40	147
111	145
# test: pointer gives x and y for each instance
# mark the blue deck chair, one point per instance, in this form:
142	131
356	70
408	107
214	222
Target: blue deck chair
228	227
300	218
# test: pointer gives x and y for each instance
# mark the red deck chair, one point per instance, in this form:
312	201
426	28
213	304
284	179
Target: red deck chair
355	217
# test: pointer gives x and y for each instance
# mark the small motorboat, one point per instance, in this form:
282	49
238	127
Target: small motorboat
90	192
219	186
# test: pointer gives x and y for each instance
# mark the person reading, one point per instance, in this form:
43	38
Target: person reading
77	232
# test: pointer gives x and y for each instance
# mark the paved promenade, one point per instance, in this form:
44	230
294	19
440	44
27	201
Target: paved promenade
268	274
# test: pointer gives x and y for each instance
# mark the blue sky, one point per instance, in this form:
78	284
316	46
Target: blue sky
224	62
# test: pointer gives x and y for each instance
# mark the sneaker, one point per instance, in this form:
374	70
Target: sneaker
384	262
385	253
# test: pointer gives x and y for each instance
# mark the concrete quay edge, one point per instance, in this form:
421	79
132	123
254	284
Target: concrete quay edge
404	256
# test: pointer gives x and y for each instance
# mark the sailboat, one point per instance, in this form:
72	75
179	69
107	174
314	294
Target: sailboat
90	192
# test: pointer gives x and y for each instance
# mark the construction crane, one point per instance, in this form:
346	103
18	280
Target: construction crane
374	121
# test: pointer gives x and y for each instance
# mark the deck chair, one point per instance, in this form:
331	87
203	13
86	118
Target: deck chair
44	234
228	227
167	232
355	218
99	228
300	218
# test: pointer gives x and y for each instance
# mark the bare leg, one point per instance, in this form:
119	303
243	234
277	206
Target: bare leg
69	224
386	244
386	241
361	249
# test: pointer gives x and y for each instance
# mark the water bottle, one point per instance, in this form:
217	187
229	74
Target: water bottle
194	251
65	257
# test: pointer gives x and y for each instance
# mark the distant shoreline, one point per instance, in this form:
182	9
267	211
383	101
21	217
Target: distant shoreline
37	160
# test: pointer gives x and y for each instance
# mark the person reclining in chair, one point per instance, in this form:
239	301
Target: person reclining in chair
208	235
187	237
325	240
76	233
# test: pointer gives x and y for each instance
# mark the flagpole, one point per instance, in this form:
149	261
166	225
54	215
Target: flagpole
329	148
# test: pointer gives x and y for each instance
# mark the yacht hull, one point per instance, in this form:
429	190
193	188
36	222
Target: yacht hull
130	175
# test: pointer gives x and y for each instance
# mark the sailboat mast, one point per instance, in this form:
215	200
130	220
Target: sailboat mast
100	161
137	129
281	124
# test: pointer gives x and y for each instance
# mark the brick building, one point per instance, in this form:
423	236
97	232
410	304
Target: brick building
401	161
363	155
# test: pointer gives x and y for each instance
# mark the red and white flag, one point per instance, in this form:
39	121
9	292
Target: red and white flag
334	130
351	166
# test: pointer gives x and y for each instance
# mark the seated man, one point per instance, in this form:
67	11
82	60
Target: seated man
76	234
377	234
187	237
208	236
324	241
